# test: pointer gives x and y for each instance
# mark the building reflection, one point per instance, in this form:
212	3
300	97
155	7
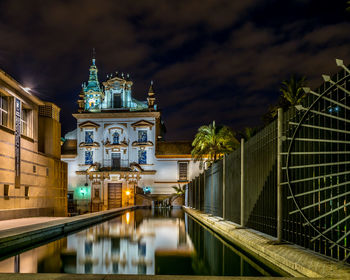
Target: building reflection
128	244
45	258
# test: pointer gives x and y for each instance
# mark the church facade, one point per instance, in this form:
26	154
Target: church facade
117	148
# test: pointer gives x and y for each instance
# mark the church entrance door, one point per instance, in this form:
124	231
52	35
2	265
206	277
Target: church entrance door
115	161
114	195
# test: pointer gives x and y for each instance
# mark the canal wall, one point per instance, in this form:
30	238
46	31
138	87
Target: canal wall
291	259
22	238
55	276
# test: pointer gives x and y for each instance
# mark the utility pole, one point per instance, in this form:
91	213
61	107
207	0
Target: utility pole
279	174
242	183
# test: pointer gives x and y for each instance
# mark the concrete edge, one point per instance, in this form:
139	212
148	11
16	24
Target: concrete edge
293	259
20	238
56	276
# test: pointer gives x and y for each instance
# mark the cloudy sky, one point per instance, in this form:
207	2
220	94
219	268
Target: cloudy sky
210	60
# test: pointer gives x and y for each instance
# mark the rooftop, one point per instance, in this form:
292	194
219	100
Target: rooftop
174	148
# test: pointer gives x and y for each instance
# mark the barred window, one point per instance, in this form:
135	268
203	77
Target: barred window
26	192
4	100
6	191
183	171
24	122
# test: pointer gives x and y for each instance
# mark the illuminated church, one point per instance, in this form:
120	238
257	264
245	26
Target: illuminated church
117	149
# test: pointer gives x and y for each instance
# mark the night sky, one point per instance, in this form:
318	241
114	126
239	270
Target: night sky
209	60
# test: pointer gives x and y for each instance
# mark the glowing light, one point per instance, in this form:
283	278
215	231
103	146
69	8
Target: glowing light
146	190
127	218
127	192
27	89
82	192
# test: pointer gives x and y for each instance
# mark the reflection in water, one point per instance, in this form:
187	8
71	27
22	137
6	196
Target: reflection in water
214	257
124	245
45	258
144	241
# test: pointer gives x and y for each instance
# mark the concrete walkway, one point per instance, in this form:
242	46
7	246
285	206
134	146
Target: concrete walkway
36	231
15	223
293	259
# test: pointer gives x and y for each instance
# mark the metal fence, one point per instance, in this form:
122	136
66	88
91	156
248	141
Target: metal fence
217	190
315	182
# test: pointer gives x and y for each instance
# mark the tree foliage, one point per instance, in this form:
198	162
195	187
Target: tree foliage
212	142
292	90
292	94
249	132
179	190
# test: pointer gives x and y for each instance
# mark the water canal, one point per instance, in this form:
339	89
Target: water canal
144	241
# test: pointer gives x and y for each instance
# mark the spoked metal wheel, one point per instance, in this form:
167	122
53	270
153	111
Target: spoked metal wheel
317	166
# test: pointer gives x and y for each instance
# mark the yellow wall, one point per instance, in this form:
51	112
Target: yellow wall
44	191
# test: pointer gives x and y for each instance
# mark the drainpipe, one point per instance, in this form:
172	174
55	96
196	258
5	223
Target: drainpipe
223	186
279	174
242	183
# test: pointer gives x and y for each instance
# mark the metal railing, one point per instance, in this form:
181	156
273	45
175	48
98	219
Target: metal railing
294	174
107	163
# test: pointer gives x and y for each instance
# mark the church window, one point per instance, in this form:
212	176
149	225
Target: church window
115	138
89	137
88	157
142	249
142	136
117	101
142	157
182	171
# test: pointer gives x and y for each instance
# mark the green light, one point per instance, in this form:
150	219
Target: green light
82	192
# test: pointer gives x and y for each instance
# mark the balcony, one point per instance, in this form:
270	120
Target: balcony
89	145
142	144
110	165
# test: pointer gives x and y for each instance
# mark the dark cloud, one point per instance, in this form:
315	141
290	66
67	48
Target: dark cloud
214	59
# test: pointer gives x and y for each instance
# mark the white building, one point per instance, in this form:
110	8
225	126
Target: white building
118	145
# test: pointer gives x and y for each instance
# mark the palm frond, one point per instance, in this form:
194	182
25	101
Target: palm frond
212	141
292	90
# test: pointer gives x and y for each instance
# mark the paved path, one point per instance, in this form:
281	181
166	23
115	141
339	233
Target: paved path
15	223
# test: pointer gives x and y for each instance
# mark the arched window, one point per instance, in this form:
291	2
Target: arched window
115	138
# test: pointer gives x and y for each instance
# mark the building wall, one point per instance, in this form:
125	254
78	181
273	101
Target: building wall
166	174
42	187
47	185
102	154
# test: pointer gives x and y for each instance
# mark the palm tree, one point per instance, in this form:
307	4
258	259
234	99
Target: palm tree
212	141
348	6
179	190
292	90
249	132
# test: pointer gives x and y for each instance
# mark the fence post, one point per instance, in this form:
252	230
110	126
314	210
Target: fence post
223	187
242	183
279	174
